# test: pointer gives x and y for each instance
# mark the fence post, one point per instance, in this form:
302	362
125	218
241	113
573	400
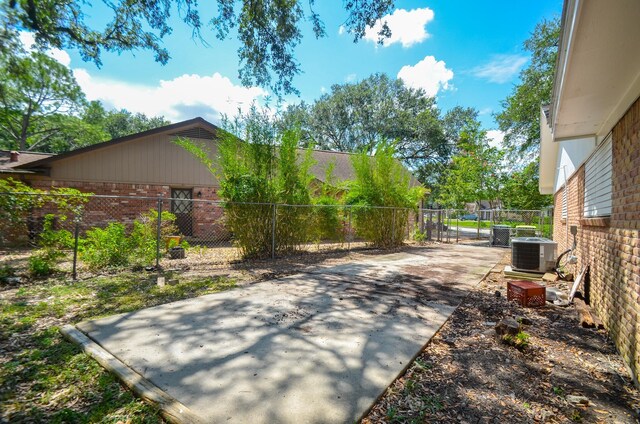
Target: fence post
478	232
448	226
541	222
429	223
76	231
491	227
349	231
158	231
458	228
273	232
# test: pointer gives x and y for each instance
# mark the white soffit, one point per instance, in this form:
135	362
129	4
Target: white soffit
548	157
601	75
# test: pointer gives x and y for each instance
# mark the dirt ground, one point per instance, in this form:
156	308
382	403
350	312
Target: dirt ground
467	375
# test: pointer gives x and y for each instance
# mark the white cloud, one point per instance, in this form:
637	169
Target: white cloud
407	27
181	98
501	68
28	41
429	74
341	30
495	138
350	78
184	97
485	111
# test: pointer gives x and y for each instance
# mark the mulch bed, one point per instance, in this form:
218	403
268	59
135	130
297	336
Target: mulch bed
466	374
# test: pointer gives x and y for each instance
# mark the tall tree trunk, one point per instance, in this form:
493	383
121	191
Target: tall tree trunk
23	133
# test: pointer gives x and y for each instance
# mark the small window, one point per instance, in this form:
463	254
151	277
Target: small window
598	181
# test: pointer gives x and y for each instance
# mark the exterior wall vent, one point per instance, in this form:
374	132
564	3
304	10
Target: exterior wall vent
196	132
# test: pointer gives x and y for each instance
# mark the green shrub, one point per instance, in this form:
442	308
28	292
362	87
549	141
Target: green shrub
328	221
381	181
53	244
41	264
419	236
106	247
256	174
144	235
15	208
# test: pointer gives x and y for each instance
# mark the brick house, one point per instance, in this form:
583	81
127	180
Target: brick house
590	158
147	164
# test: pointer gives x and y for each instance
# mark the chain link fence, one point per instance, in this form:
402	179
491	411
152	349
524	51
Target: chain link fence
494	225
45	233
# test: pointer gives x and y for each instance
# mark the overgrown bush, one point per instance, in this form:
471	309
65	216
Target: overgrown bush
113	247
15	206
328	222
382	181
143	237
106	247
256	174
53	244
19	202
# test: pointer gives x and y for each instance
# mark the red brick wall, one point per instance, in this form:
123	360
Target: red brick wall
101	211
611	246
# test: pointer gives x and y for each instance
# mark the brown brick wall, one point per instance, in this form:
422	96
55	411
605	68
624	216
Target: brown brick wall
611	246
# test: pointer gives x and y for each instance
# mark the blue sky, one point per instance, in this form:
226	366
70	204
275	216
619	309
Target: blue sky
465	53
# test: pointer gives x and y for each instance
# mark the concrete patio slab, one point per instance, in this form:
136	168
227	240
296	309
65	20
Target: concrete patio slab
318	347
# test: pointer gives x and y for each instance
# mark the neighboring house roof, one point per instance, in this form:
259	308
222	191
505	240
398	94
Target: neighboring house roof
597	77
180	128
342	169
200	128
24	158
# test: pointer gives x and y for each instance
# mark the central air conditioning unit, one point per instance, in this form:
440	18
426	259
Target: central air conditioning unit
501	235
533	254
525	231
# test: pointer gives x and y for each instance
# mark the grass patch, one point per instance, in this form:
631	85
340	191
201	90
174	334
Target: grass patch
468	224
44	378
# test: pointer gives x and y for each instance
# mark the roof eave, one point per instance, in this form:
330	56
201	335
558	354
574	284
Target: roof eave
167	128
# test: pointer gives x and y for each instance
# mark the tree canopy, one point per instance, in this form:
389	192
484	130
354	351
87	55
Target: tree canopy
34	88
474	172
520	115
359	116
268	31
520	190
119	123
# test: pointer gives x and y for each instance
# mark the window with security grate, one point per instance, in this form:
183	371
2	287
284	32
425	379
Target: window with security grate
181	201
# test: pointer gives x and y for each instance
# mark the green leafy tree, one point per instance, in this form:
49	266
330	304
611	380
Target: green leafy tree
120	123
72	133
520	115
433	173
474	173
354	117
520	190
268	31
34	88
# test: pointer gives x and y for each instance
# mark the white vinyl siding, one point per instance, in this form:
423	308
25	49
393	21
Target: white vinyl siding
598	181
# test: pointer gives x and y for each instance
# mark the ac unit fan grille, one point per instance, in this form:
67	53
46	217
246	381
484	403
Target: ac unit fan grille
525	255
